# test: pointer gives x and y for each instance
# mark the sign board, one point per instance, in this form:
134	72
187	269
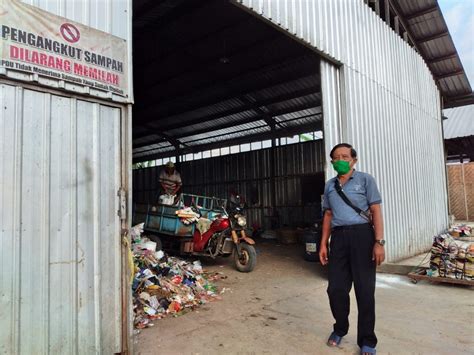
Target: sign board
36	41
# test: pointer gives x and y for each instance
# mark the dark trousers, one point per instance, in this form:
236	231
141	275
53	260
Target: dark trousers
350	261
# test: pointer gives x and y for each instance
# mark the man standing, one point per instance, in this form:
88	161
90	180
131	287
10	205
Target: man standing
170	179
355	224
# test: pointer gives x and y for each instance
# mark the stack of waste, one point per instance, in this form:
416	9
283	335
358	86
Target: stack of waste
187	215
460	230
164	285
451	257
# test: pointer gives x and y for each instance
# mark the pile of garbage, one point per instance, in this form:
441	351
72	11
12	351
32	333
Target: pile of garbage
460	230
452	258
187	215
165	285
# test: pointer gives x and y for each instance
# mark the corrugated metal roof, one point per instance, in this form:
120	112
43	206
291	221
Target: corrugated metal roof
211	138
226	78
154	146
237	130
148	152
220	80
460	122
425	23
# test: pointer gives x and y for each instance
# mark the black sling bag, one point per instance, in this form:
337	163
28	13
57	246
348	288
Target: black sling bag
364	214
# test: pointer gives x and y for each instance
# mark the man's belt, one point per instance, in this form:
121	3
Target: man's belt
352	226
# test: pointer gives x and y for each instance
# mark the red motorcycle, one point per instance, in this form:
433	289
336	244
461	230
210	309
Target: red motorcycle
202	226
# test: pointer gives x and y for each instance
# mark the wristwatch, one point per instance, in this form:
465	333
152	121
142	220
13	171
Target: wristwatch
380	241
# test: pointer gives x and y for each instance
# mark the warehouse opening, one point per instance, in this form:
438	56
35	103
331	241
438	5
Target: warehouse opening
234	103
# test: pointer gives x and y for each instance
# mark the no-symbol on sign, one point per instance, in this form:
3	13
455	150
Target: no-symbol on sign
70	32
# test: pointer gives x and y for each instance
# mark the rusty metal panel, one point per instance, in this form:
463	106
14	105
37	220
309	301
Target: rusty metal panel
60	268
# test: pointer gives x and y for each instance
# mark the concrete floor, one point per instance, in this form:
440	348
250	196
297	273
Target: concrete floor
282	308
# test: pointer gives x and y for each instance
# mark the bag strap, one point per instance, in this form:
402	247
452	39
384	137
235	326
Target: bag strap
344	197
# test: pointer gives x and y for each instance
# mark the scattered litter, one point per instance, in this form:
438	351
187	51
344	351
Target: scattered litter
159	254
165	285
216	276
136	232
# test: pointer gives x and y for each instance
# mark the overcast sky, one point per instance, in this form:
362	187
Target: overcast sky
459	16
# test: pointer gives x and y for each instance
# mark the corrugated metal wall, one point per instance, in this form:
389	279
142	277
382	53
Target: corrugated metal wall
389	110
332	115
60	269
61	161
111	16
249	175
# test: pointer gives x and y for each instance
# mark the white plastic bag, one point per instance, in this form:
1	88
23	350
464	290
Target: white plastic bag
166	199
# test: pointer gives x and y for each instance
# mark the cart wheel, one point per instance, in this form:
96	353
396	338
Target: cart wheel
415	281
157	240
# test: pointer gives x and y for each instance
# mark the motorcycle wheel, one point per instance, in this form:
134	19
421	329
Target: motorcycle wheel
248	259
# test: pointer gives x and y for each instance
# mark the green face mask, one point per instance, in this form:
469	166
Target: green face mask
341	166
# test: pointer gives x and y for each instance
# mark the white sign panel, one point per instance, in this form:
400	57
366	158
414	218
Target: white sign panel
36	41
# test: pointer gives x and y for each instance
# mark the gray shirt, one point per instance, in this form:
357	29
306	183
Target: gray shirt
361	190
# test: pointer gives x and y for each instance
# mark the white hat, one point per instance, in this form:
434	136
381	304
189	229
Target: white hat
169	164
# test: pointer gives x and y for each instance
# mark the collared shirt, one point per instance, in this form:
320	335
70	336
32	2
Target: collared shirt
361	190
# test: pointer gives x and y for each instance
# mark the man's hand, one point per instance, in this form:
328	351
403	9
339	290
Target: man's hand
323	254
378	254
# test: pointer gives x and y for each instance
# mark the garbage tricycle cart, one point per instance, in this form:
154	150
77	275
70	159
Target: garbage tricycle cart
202	226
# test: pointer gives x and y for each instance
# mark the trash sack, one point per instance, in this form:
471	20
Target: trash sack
166	199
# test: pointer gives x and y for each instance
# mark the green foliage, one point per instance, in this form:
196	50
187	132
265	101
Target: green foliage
305	137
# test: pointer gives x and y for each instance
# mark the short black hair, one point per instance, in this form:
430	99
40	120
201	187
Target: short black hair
344	145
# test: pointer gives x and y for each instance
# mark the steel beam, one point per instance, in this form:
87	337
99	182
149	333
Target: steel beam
421	13
447	75
223	126
247	139
196	121
445	57
387	12
432	37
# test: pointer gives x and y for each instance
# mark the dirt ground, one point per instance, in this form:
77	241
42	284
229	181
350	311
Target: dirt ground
282	308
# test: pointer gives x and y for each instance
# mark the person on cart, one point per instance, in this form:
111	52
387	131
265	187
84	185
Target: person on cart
170	181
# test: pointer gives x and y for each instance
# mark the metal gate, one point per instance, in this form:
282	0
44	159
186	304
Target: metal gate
60	251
